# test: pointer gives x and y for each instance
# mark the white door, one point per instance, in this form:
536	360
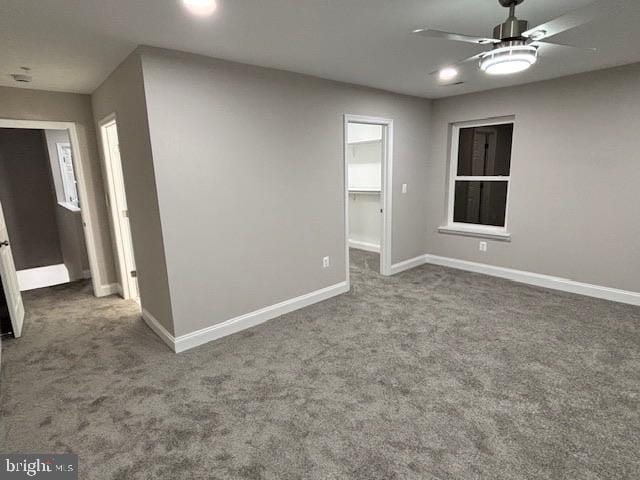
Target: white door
10	279
120	212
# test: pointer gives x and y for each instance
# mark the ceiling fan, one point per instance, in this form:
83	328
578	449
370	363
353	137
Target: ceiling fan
514	46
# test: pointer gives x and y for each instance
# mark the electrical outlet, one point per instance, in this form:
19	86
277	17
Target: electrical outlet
404	188
326	262
483	246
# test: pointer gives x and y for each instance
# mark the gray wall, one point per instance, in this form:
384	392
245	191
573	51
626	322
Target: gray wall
72	242
70	231
123	94
25	104
28	198
249	169
52	138
575	174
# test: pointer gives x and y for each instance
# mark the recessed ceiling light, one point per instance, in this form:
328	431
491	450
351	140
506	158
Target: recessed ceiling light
448	73
201	7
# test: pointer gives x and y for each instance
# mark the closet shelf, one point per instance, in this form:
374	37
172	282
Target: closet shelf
365	190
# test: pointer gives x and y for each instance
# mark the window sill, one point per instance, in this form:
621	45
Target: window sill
69	206
476	232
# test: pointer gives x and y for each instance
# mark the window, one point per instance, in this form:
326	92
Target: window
479	179
69	192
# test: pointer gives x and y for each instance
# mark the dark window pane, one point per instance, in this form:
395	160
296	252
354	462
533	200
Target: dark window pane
481	203
485	151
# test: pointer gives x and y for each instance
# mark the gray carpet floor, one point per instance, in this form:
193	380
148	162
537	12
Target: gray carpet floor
431	374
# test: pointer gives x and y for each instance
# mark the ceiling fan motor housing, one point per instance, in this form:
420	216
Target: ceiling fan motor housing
510	3
511	29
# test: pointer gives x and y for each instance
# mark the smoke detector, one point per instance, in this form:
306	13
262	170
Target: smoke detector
22	77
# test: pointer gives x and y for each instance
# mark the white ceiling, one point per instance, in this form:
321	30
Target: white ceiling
72	45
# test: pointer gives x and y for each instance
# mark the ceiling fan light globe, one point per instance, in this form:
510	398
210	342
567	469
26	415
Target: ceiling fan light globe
507	68
508	60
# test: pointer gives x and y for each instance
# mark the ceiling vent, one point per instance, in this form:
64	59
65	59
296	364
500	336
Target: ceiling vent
22	77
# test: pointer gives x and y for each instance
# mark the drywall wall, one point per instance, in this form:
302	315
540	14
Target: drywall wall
123	94
28	199
363	132
70	232
250	175
365	219
573	207
72	243
25	104
52	138
364	165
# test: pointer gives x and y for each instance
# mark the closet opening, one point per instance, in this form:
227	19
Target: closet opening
368	158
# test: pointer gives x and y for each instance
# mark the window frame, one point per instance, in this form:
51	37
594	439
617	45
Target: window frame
74	207
472	229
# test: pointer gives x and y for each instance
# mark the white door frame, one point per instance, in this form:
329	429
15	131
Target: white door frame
101	287
126	288
387	189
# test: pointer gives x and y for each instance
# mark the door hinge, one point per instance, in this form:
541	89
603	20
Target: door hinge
134	273
125	214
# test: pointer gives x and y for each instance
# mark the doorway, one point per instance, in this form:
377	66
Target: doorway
118	209
46	235
368	147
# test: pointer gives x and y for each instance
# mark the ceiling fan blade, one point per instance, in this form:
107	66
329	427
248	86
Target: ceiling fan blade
565	45
456	37
572	19
461	62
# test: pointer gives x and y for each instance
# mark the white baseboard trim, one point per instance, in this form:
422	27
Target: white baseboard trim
408	264
106	290
539	280
237	324
369	247
41	277
159	330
